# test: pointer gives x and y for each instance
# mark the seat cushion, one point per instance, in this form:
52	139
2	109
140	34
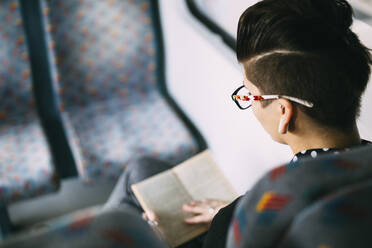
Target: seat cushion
109	85
25	163
112	134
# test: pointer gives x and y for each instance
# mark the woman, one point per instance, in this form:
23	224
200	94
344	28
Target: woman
305	72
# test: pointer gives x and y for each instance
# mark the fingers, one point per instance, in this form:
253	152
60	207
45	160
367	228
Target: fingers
144	216
204	210
201	210
195	208
199	219
201	207
150	217
152	220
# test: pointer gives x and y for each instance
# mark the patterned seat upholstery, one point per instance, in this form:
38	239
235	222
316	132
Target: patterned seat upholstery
89	229
341	220
25	162
107	57
323	202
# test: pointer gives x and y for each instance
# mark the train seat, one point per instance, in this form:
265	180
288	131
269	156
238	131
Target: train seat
26	167
112	90
26	164
328	208
88	228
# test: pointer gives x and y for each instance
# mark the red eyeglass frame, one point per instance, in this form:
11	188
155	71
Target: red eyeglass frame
235	97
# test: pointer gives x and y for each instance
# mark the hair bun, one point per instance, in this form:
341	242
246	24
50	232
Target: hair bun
337	13
344	17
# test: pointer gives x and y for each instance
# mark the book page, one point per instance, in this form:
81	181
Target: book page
164	195
203	179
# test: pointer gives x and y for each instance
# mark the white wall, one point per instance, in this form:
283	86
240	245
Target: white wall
202	74
364	32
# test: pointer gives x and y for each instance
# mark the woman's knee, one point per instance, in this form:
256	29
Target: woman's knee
145	167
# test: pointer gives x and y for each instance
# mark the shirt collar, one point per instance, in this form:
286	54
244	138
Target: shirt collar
313	153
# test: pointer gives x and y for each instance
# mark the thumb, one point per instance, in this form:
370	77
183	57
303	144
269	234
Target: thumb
151	216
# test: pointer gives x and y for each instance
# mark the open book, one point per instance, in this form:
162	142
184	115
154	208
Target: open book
195	179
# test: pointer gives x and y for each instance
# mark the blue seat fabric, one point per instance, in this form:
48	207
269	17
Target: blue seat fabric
341	220
106	56
25	162
322	202
91	229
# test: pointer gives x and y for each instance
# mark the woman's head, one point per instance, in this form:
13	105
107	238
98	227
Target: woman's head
305	49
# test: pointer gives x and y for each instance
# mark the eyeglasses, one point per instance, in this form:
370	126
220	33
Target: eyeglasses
243	98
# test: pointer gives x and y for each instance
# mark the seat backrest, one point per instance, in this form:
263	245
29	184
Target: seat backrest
26	168
97	61
111	85
110	229
282	198
341	220
17	100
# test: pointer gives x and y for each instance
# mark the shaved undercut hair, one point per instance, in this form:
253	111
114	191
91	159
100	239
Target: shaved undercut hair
306	49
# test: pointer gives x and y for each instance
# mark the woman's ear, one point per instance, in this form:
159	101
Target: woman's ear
285	109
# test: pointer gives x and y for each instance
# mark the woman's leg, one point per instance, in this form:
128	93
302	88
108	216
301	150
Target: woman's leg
136	171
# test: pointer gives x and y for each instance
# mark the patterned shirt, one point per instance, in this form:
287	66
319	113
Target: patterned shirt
313	153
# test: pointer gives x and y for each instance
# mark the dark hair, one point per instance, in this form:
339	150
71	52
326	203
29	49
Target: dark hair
306	49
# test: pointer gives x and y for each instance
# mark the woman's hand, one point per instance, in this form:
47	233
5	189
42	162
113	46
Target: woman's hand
204	210
152	220
150	217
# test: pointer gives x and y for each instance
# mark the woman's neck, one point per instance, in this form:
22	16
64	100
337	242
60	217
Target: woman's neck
324	138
